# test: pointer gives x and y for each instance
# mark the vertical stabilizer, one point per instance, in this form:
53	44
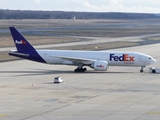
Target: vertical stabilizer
24	48
20	42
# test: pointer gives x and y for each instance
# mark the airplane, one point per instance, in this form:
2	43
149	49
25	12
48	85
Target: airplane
98	60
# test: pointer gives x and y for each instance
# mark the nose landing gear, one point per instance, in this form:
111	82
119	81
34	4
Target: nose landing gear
141	70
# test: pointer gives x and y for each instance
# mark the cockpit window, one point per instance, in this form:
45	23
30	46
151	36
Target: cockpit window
150	58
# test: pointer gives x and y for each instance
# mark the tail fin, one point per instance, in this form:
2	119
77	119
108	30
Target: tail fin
20	42
25	49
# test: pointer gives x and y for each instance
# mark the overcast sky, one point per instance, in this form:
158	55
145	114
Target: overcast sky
140	6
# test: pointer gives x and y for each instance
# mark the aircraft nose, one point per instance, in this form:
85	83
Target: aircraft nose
153	60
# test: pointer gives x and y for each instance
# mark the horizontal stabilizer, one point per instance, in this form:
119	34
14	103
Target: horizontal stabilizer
19	54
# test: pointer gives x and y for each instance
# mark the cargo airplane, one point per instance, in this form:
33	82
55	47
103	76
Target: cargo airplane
98	60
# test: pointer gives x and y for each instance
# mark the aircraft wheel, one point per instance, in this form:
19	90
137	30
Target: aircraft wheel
75	70
141	71
142	67
83	69
153	71
80	70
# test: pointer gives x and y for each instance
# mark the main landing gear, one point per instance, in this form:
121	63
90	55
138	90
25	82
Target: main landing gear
80	68
141	70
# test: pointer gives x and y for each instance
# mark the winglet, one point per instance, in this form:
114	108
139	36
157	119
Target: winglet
20	42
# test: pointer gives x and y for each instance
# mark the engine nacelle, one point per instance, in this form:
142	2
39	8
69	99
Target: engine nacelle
100	65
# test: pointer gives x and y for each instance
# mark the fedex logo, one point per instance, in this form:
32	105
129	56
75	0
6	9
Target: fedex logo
124	57
100	66
22	42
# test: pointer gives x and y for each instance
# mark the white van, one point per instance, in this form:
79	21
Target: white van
58	80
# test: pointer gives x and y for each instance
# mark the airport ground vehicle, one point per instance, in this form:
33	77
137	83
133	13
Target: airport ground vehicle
58	79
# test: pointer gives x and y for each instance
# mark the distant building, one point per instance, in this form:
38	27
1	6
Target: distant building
74	17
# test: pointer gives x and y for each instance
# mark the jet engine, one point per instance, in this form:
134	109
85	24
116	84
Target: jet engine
100	65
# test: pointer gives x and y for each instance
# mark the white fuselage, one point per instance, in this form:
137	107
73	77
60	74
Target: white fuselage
113	58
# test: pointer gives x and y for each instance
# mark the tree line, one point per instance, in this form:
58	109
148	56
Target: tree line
29	14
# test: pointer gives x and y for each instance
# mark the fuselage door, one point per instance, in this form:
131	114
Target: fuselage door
139	58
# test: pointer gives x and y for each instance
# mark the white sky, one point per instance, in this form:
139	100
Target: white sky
138	6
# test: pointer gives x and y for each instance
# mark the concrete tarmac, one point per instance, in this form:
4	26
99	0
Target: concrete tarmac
121	93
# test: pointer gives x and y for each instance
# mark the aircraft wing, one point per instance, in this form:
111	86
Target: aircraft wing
75	59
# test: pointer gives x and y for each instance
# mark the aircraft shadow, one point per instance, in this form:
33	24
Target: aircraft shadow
52	72
50	83
30	73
